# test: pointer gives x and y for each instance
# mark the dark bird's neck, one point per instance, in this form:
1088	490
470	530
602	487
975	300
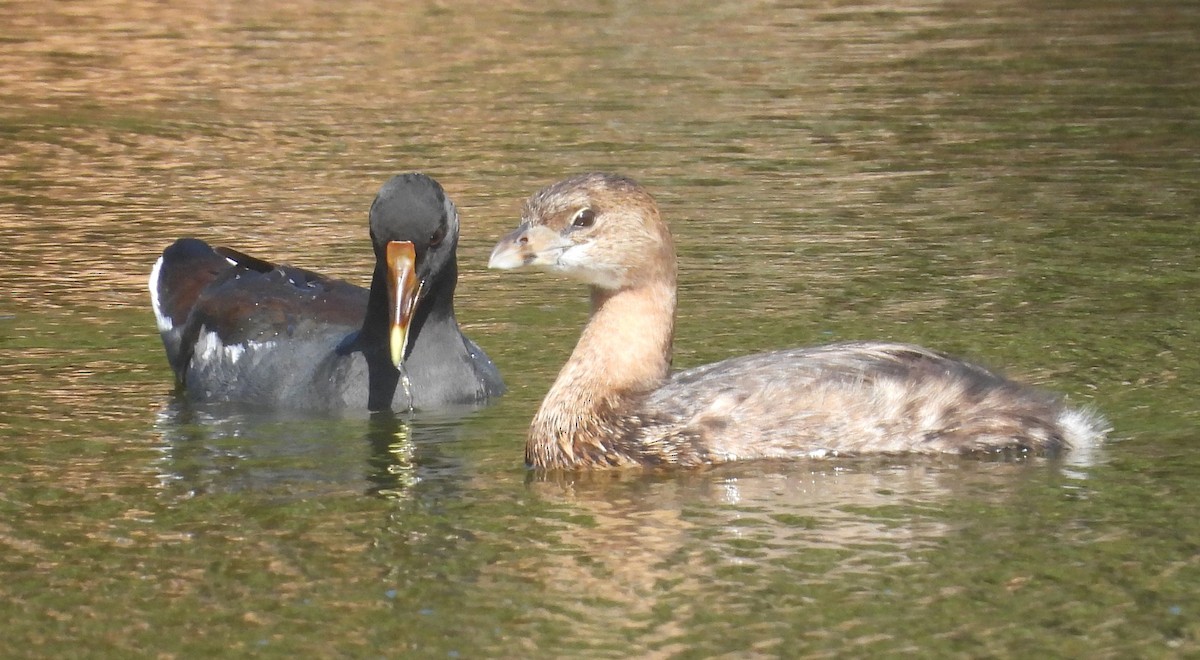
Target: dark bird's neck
433	323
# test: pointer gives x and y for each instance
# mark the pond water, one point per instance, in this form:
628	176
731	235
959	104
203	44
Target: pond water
1011	181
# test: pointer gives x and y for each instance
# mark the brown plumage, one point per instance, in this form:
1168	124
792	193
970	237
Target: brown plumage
615	404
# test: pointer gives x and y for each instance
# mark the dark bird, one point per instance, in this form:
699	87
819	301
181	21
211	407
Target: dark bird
616	404
243	330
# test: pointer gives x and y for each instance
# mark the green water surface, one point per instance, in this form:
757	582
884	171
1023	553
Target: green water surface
1011	181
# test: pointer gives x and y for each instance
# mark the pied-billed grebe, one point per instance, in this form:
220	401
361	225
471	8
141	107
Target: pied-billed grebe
239	329
615	403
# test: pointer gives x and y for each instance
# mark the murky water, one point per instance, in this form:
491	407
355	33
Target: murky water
1012	181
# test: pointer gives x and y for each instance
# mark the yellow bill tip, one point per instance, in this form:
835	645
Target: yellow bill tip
398	342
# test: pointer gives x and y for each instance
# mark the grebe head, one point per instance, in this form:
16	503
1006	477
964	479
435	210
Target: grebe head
602	229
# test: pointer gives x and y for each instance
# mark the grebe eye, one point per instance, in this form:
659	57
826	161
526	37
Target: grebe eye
437	237
584	217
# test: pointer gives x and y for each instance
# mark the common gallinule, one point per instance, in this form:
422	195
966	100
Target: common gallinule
243	330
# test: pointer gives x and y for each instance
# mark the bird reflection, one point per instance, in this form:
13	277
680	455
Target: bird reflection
392	463
210	448
630	533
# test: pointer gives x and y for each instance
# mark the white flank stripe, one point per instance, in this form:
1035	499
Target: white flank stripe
164	322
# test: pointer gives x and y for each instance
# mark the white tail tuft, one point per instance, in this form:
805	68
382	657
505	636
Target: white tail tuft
1084	430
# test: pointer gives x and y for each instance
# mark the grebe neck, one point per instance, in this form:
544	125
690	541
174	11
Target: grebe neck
623	353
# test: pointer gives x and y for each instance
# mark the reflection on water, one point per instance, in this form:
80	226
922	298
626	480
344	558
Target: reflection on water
648	557
645	534
772	511
226	449
1010	181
